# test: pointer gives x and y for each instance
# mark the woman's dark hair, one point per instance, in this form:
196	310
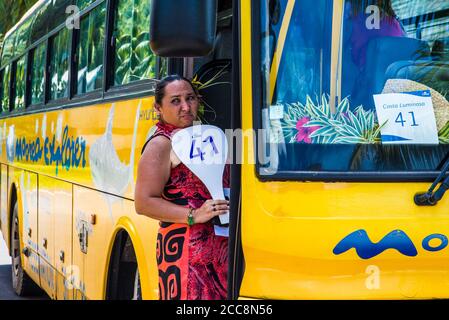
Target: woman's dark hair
160	87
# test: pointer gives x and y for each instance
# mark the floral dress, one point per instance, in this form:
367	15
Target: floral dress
192	260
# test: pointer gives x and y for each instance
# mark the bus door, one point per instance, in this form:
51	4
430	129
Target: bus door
93	223
27	205
55	222
352	97
46	237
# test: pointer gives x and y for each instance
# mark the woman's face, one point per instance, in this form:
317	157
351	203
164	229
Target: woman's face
180	104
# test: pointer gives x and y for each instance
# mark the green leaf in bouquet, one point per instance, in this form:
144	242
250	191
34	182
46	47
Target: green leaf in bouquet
325	131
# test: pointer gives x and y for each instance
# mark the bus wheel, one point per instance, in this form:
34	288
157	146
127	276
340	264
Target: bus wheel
22	284
137	295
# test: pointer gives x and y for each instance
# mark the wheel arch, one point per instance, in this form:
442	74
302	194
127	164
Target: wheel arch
12	199
124	232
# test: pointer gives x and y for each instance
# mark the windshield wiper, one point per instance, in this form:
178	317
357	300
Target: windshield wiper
431	198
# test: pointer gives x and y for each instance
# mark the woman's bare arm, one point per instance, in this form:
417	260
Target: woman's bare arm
152	174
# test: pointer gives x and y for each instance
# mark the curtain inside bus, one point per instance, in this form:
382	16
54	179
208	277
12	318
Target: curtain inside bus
386	47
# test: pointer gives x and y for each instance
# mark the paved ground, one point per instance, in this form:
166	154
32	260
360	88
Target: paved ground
6	292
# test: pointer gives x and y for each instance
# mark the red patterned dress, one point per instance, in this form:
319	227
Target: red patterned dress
192	261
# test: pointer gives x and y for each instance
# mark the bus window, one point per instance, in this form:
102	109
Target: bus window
23	34
82	4
305	53
370	55
40	23
133	57
38	74
19	94
8	48
59	65
311	131
90	50
1	89
5	89
163	67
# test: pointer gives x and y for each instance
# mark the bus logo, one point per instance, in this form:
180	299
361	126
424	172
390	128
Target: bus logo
396	239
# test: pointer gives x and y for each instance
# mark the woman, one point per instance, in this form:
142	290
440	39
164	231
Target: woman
192	260
389	26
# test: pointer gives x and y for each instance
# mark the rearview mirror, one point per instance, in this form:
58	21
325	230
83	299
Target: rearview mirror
182	28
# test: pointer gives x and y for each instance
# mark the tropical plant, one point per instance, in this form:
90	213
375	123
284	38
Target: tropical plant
200	86
316	123
134	59
11	12
443	134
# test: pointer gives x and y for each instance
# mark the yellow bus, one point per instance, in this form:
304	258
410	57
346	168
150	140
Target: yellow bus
338	114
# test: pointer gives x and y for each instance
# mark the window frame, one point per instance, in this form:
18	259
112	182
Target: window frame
31	59
112	89
5	113
1	88
303	176
13	93
97	93
50	50
108	93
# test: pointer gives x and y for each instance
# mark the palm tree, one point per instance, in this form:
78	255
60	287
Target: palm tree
10	13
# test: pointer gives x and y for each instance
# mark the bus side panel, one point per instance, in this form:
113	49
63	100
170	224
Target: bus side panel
55	228
62	204
342	241
27	194
46	240
99	216
4	216
93	221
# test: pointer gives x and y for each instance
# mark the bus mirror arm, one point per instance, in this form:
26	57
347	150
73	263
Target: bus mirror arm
424	199
431	198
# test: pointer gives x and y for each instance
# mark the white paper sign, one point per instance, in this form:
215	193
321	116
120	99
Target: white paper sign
276	112
204	150
219	230
409	118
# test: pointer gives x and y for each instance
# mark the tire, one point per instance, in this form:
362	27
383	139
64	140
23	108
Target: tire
137	288
22	284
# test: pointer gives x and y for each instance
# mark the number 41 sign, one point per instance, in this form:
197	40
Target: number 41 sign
204	150
408	118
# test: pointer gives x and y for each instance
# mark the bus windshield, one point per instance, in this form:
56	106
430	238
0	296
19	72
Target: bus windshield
355	86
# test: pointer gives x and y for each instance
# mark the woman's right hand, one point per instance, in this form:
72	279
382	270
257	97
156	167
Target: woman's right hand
209	209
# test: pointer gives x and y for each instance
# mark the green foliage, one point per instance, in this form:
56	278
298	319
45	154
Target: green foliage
342	127
90	50
443	134
133	60
10	13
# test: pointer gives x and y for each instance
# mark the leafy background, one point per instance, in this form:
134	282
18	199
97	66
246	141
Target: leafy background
10	13
314	122
134	60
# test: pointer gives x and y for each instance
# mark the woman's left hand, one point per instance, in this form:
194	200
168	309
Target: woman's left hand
210	209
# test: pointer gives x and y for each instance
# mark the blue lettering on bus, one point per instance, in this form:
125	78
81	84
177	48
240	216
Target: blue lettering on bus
396	239
441	237
71	153
366	249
